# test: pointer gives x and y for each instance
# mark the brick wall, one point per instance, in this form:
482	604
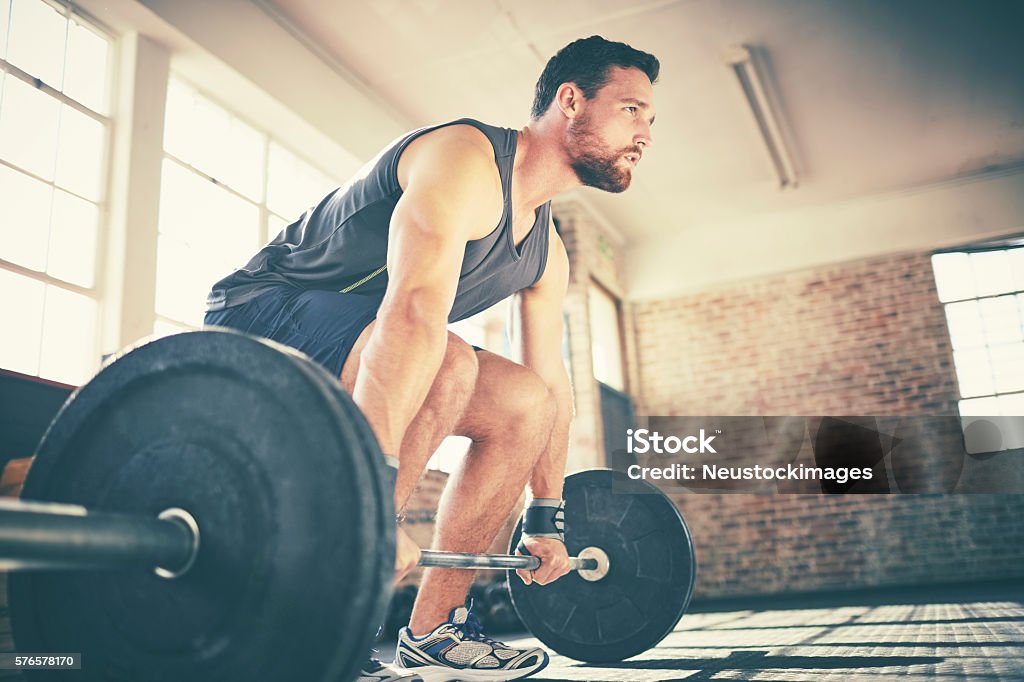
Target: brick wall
862	338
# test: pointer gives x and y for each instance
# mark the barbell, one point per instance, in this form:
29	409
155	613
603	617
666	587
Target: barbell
213	506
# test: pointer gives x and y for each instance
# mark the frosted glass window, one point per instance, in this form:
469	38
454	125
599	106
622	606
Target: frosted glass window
73	233
606	338
50	183
965	327
974	372
69	337
292	184
1000	319
88	66
211	140
80	155
1008	367
21	305
992	272
5	15
205	233
28	127
36	40
1011	405
24	219
954	278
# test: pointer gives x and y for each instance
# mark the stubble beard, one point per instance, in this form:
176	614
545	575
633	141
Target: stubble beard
594	164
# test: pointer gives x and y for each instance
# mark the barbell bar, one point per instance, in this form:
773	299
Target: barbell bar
50	536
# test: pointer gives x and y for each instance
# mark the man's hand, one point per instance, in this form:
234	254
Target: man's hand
407	554
554	560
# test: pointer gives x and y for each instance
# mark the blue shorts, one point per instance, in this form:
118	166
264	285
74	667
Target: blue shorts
322	324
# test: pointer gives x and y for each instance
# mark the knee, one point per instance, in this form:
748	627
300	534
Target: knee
528	405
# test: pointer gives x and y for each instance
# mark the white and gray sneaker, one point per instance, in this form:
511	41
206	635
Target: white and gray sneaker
458	650
375	671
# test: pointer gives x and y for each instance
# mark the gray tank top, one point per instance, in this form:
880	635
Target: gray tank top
341	243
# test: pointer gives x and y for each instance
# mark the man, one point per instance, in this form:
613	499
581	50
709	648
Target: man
444	223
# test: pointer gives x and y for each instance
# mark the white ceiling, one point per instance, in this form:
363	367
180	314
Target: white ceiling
875	95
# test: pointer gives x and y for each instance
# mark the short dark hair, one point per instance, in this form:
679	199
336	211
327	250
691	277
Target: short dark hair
586	63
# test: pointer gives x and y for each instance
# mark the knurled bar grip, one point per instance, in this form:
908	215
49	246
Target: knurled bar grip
437	559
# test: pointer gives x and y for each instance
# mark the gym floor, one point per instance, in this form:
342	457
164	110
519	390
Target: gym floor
961	632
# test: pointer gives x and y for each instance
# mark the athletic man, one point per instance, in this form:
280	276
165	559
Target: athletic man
444	223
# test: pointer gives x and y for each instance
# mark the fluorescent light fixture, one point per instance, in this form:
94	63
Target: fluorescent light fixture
740	60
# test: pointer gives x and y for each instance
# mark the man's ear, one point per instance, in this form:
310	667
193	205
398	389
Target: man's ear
569	99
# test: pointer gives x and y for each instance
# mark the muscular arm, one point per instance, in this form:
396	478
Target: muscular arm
449	183
539	344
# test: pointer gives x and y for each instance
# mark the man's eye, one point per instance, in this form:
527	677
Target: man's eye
632	110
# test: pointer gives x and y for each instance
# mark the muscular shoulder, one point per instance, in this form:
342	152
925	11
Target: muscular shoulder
459	161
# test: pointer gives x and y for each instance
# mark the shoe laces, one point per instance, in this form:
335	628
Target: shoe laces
473	629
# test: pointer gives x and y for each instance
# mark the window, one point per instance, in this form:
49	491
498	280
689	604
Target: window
983	292
606	338
55	92
226	189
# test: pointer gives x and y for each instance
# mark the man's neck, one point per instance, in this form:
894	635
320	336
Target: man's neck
541	170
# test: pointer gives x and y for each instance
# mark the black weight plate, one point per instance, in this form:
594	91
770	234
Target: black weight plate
380	554
648	586
285	495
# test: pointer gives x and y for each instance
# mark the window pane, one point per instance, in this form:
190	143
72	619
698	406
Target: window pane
80	153
980	407
1016	258
198	212
606	341
24	219
205	233
1008	367
73	239
965	326
36	40
69	337
183	279
88	71
205	136
1000	319
292	184
973	372
5	15
21	305
28	127
992	272
1011	405
953	276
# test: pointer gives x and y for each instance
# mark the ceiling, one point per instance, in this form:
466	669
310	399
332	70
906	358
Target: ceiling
873	95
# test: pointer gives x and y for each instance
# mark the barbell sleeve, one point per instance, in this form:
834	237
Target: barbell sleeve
438	559
47	536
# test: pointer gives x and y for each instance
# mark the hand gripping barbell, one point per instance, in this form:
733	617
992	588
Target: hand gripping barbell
225	509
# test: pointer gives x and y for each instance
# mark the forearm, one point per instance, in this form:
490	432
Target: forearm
549	473
397	368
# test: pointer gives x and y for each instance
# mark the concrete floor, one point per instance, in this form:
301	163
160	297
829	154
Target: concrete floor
954	633
963	632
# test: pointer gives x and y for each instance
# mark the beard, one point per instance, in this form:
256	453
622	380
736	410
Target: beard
594	164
